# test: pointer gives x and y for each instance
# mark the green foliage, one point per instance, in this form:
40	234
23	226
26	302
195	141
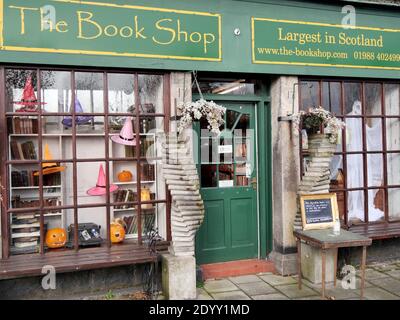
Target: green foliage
110	295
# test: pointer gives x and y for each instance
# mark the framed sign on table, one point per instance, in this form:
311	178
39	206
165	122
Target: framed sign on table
319	211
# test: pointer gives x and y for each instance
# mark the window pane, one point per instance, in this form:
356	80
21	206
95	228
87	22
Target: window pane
393	134
354	140
21	90
375	170
393	168
121	95
232	87
352	98
355	205
92	183
373	99
376	204
332	96
392	95
394	204
355	171
208	176
151	92
89	92
226	175
56	91
373	130
309	94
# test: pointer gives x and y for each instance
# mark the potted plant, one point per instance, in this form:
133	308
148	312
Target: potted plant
201	109
315	119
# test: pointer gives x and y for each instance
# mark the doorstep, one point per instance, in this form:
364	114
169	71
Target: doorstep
236	268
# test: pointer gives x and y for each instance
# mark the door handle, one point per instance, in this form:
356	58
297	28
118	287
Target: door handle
254	183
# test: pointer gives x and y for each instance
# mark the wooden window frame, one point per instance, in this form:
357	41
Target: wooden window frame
384	152
6	161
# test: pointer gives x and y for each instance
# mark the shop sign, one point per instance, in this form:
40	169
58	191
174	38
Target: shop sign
283	42
100	28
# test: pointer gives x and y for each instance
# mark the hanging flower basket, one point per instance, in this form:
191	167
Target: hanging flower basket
316	118
201	109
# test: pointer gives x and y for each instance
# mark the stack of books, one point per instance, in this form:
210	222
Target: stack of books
131	222
17	202
23	151
146	149
25	230
127	195
24	178
23	125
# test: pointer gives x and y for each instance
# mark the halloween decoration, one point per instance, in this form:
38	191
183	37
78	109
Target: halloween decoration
126	135
125	176
56	238
100	188
49	167
117	231
67	121
145	196
28	100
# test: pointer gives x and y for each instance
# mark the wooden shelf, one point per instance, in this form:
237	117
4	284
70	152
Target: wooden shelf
131	182
35	187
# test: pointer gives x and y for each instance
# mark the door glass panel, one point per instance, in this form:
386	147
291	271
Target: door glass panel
231	117
208	175
225	149
225	175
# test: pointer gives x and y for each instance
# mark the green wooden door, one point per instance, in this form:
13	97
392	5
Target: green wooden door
227	168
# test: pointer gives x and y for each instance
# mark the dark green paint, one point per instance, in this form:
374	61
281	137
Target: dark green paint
296	42
229	231
111	30
236	50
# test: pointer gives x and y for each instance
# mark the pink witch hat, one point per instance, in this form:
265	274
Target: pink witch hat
126	135
67	121
28	100
100	188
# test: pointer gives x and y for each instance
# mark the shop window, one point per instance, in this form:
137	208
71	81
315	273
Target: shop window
365	168
79	154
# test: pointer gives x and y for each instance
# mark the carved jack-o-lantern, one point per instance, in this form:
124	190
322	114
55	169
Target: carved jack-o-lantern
117	232
125	176
56	238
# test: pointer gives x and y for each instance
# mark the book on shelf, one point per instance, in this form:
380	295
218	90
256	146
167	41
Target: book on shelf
23	151
17	202
242	181
23	125
147	172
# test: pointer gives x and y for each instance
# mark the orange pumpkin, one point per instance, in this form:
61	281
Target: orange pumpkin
117	232
125	176
56	238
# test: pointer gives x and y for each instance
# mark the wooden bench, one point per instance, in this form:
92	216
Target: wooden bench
377	231
128	253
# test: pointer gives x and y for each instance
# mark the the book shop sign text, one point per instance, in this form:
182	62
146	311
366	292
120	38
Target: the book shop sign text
324	45
83	27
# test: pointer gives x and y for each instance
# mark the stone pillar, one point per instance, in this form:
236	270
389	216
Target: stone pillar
179	277
286	174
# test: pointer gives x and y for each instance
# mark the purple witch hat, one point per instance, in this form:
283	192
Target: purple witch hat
67	121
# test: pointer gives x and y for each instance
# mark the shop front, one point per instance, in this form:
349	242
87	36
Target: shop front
88	88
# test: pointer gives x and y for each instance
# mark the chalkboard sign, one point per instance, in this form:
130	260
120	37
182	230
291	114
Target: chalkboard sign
318	211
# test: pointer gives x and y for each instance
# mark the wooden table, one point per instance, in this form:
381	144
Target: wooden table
325	240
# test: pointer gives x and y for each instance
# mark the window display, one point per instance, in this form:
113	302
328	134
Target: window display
362	168
69	140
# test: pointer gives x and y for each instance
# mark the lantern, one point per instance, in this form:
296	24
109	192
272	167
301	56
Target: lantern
56	238
117	232
125	176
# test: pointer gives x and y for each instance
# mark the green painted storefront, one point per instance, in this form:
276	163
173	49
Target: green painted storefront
257	38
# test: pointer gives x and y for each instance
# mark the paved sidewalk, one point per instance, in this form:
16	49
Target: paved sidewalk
382	283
